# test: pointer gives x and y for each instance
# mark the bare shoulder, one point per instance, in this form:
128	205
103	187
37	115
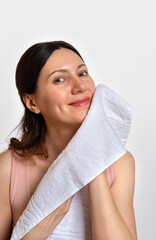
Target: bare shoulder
5	173
6	214
123	189
124	167
127	160
5	161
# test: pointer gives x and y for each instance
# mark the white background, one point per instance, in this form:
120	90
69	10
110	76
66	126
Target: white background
117	40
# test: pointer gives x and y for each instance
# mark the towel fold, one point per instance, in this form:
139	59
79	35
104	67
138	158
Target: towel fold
97	144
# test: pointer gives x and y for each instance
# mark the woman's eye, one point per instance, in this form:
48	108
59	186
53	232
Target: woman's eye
57	80
83	72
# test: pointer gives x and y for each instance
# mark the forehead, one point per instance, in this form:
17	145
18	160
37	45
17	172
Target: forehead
62	58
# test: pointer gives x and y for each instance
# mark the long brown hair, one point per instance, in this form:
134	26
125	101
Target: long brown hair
32	126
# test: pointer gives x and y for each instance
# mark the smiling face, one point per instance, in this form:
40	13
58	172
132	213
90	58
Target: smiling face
57	89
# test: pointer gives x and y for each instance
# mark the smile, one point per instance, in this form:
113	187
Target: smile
79	104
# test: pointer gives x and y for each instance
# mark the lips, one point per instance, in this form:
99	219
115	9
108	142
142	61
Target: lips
80	100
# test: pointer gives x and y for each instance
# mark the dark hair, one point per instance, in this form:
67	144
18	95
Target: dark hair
32	125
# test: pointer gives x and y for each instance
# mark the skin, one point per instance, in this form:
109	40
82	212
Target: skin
112	213
55	92
111	208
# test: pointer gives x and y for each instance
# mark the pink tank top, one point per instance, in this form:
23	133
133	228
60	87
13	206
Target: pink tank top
20	185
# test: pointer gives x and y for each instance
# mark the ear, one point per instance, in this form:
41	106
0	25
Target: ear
30	103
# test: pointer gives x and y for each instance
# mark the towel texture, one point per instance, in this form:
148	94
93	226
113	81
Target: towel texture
98	143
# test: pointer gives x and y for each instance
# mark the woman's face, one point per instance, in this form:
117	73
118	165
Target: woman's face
57	88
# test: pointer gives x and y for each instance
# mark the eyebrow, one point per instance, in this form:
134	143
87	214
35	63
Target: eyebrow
65	70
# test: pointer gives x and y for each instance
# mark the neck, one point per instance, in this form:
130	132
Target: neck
57	139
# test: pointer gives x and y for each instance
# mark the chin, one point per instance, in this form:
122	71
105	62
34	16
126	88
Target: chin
81	117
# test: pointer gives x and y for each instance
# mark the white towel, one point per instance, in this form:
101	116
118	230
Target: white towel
98	143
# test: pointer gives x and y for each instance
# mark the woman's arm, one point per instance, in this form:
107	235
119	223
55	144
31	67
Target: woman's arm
112	209
5	208
43	230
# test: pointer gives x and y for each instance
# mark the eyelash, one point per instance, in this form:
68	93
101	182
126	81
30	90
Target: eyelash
80	73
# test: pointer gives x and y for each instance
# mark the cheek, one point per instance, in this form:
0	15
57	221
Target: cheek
46	101
92	87
62	96
57	100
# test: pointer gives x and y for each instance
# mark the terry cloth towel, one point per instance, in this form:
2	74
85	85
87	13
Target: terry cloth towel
98	143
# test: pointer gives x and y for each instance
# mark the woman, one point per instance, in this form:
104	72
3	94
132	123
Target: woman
49	77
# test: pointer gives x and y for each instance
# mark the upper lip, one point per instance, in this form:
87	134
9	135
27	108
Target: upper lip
80	100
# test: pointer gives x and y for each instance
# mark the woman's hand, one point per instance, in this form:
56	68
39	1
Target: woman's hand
43	230
112	210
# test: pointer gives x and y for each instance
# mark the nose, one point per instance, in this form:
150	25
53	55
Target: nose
78	85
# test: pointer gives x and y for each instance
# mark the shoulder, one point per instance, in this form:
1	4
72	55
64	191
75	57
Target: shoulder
123	189
5	172
6	213
124	179
124	163
5	161
5	169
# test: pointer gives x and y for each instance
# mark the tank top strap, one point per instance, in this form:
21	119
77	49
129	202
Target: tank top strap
110	174
19	184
